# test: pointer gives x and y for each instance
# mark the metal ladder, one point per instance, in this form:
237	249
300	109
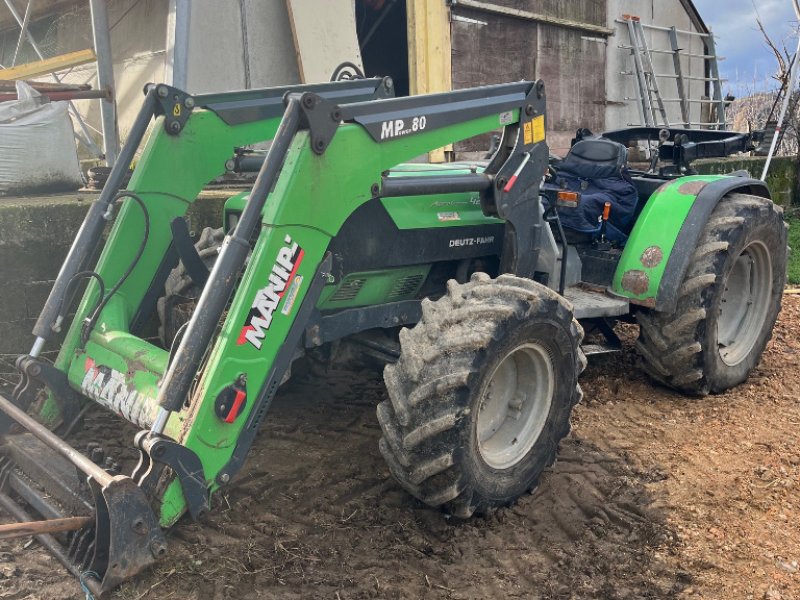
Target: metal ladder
650	101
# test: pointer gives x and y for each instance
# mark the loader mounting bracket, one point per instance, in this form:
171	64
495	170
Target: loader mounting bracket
157	452
321	117
175	105
34	374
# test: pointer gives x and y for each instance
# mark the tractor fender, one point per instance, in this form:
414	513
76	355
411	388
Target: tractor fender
665	236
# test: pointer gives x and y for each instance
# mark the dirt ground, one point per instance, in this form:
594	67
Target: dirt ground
654	496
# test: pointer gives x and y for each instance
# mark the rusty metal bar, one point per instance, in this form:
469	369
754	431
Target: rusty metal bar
96	472
10	85
27	528
49	542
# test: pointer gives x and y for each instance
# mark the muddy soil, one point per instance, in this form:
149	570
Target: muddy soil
654	496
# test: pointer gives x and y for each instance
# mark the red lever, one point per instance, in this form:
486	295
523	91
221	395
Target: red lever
237	406
513	179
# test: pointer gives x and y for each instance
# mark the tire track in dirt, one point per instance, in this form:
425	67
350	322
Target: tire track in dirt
315	513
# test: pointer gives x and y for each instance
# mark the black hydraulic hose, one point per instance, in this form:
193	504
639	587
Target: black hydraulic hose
92	229
104	299
214	298
69	297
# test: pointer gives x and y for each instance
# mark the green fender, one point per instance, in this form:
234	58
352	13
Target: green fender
657	254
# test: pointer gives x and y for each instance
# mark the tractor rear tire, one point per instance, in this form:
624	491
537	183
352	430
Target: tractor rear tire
728	303
482	393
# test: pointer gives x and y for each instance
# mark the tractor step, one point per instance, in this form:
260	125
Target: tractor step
589	304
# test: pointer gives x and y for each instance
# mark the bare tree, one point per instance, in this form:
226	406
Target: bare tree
791	127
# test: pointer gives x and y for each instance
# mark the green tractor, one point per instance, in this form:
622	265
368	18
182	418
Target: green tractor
472	282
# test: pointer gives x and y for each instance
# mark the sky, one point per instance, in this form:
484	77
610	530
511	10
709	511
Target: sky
749	63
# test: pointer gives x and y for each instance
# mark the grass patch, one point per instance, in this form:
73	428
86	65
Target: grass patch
794	244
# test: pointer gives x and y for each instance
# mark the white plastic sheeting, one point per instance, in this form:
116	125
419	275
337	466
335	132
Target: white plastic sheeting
37	145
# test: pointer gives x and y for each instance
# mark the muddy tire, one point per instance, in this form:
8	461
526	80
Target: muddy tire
728	302
482	393
181	293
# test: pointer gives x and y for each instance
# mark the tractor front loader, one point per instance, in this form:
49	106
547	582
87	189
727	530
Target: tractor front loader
200	405
471	282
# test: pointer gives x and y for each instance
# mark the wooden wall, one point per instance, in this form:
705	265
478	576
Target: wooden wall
506	48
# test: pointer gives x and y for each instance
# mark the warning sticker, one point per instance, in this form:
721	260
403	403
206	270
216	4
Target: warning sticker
528	132
448	216
538	129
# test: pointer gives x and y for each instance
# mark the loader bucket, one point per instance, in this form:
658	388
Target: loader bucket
121	534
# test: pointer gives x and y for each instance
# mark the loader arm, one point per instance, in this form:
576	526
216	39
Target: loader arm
201	405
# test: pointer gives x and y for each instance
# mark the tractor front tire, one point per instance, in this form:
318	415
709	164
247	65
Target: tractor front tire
482	393
180	297
728	302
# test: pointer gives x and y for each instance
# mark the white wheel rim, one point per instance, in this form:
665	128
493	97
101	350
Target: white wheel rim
745	304
514	405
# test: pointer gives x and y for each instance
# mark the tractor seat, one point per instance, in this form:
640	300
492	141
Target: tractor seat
595	158
596	167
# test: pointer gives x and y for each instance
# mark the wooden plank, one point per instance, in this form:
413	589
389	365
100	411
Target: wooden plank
324	36
15	530
535	17
490	49
429	53
7	85
49	65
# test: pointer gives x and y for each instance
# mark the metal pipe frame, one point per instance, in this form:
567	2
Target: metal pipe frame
49	542
178	23
105	79
87	138
96	472
24	29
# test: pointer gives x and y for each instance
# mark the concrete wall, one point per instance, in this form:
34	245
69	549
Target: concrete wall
239	44
783	179
35	235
